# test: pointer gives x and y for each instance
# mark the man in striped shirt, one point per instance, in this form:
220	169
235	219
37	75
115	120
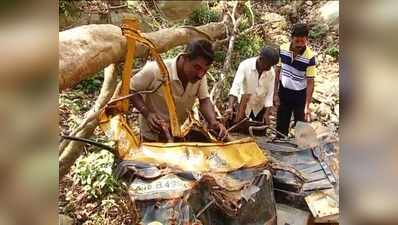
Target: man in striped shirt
294	81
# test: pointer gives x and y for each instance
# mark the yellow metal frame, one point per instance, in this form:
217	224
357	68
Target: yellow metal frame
130	31
187	156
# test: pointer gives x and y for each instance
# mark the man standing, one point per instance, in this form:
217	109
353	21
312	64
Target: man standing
253	87
188	82
294	83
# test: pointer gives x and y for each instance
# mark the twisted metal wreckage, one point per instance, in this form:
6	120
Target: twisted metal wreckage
211	182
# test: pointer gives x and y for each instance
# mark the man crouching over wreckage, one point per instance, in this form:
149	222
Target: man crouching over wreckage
253	88
188	82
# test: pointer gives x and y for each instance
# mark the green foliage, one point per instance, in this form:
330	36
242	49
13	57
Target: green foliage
247	46
203	15
92	84
219	56
244	24
318	31
248	12
94	173
66	7
333	51
172	52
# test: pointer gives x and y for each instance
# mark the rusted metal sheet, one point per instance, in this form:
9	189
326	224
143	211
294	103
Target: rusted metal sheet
324	206
289	215
253	204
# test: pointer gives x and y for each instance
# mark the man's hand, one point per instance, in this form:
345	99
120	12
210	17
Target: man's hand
307	114
155	122
220	129
267	116
228	114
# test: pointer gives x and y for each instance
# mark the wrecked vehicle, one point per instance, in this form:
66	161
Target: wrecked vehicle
193	178
206	182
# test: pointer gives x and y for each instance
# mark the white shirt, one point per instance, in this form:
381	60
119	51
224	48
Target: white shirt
247	81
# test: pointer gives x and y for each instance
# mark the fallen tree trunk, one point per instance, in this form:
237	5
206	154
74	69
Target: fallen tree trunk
87	49
70	150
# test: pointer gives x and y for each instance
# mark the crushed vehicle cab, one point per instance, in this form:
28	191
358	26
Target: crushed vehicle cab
209	182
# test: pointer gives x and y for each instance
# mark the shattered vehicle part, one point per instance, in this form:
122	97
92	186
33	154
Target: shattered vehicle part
312	163
181	183
290	215
253	204
324	206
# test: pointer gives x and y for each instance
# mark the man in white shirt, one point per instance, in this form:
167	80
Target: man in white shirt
253	87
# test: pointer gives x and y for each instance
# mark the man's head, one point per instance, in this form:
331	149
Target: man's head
299	37
197	58
268	57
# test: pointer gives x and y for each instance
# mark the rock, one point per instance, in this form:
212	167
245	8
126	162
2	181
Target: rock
178	10
329	59
290	215
277	21
280	39
319	58
323	110
330	12
334	119
329	39
309	3
305	135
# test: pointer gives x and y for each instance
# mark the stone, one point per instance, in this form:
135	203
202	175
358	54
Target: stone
329	58
309	3
290	215
329	12
178	10
323	109
277	21
305	135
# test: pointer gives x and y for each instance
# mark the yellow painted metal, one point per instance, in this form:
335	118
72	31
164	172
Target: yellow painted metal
123	105
132	33
116	129
201	157
187	156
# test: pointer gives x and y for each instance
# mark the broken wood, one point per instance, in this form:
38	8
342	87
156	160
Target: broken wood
71	150
216	90
85	50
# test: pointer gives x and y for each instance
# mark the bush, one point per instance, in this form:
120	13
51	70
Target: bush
203	15
94	173
246	46
219	56
93	84
333	51
318	31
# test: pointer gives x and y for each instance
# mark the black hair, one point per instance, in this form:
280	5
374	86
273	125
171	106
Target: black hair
200	48
300	30
270	54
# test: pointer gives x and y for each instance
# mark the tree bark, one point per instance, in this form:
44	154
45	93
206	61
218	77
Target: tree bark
87	49
70	150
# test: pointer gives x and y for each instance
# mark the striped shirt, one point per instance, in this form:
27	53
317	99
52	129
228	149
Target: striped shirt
295	71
